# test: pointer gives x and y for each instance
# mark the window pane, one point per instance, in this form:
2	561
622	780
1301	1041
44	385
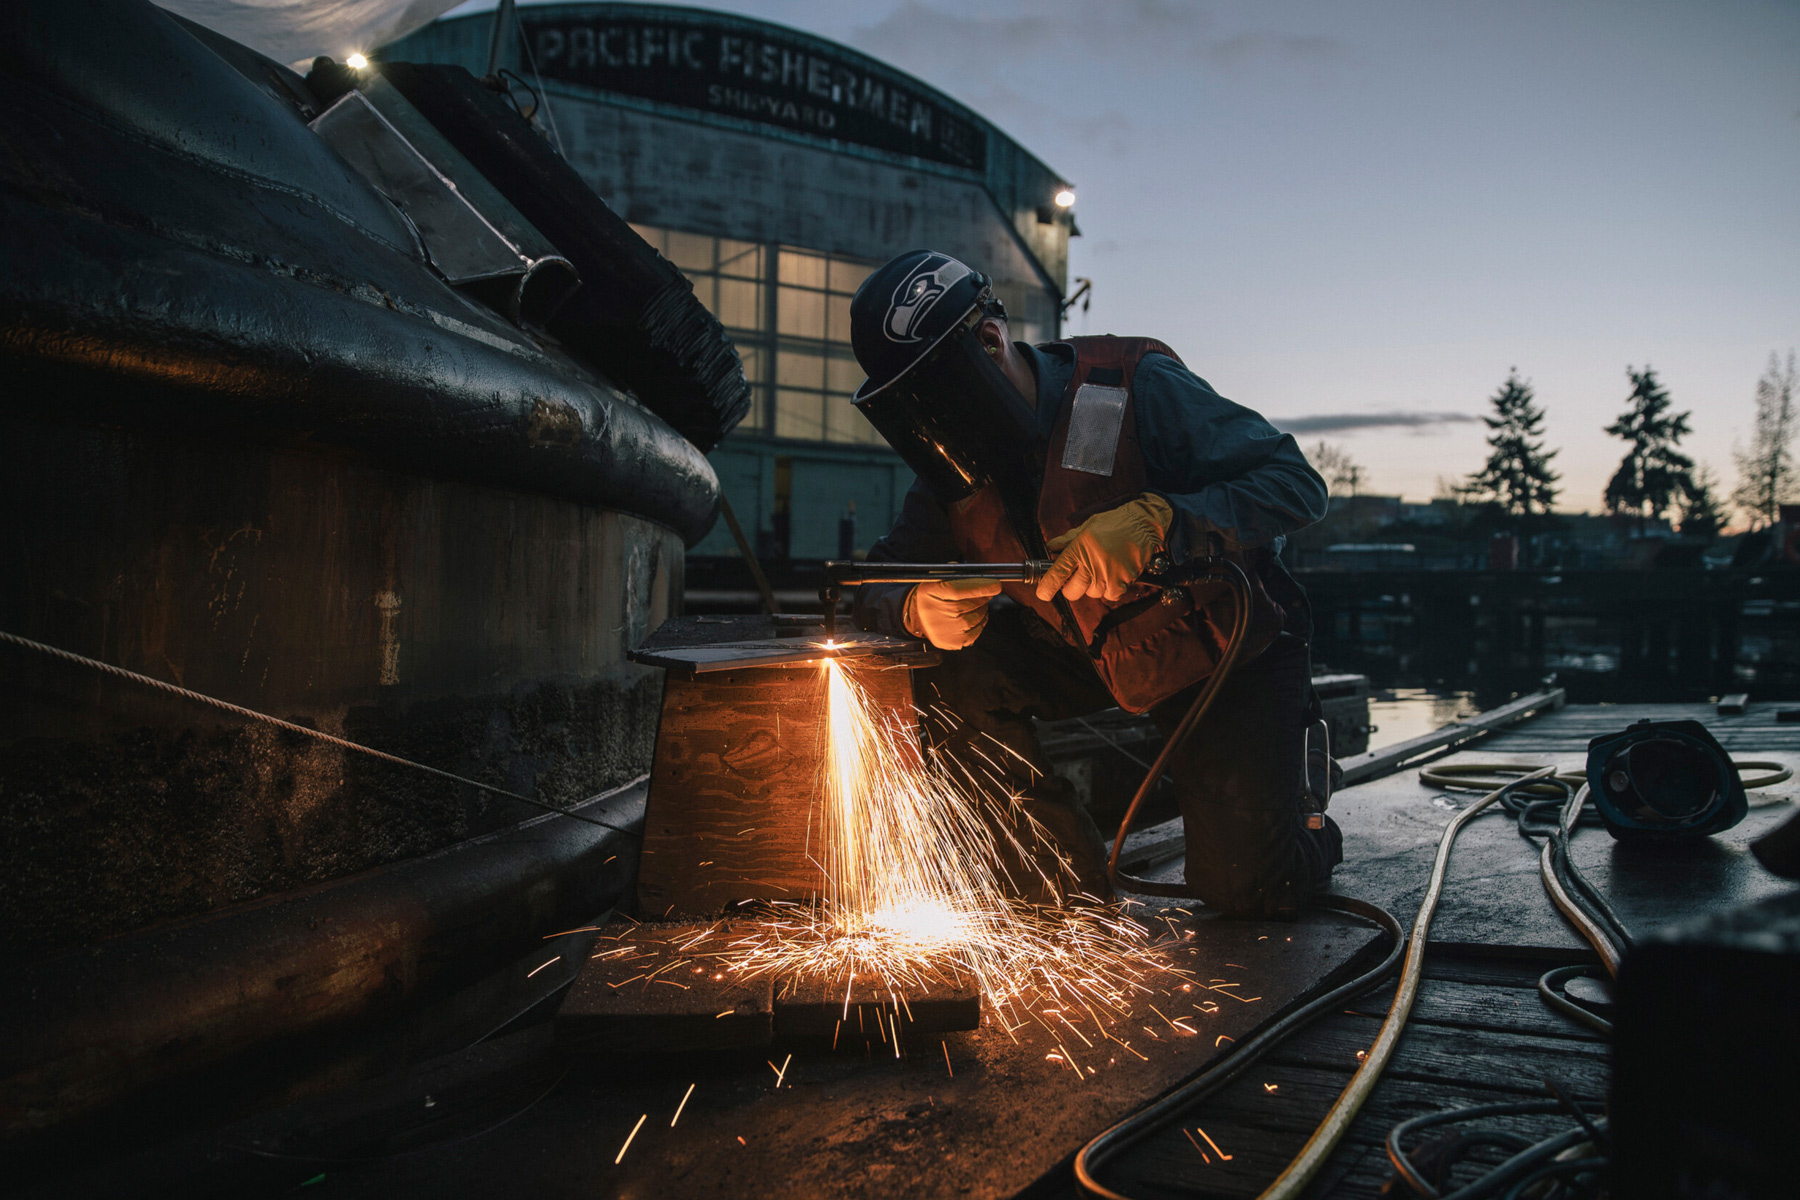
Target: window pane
690	251
706	291
757	419
798	313
799	369
740	304
843	422
843	374
802	268
799	415
847	276
743	259
837	311
751	357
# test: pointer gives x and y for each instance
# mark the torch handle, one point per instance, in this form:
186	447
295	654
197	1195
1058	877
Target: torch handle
847	573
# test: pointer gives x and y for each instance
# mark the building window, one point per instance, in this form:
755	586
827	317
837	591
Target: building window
787	310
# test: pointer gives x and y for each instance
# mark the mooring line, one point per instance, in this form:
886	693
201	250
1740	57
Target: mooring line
291	727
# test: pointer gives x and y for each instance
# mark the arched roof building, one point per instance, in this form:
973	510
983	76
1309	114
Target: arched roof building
776	169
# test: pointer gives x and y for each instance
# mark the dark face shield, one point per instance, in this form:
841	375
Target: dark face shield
957	420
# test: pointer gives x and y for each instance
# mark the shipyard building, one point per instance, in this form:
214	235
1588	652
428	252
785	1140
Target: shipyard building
776	169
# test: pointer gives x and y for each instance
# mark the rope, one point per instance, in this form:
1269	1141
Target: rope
319	735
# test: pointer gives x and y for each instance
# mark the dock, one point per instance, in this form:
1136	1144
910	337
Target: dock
987	1114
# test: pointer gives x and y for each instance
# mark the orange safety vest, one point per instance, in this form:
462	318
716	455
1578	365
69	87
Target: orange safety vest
1149	651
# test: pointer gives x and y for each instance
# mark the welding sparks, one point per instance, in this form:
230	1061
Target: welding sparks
1223	1157
628	1137
916	894
678	1108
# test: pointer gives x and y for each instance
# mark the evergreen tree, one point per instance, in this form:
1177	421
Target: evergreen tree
1516	482
1654	474
1701	515
1766	470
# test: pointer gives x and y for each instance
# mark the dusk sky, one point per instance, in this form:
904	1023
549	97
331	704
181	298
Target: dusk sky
1338	210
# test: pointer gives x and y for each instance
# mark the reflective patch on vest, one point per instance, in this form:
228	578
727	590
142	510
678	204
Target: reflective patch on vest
1094	425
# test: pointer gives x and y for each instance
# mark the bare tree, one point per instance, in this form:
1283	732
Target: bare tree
1766	470
1342	474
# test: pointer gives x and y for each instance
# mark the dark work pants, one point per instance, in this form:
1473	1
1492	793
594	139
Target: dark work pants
1239	778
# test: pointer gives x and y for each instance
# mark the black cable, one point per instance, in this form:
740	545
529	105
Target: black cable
1508	1172
1093	1156
1543	818
512	78
1555	1170
1550	991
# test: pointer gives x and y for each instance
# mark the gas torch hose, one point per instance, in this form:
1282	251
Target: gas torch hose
1299	1173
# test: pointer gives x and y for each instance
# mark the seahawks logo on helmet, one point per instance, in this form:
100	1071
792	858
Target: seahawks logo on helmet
918	293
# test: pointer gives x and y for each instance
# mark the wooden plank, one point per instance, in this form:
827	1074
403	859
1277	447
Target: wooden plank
1487	1009
731	814
868	1011
656	989
1501	1062
1363	767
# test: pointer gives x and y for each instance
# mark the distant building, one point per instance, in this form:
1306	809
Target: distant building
776	169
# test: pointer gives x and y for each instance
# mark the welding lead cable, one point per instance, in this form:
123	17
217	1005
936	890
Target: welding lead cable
1577	915
320	735
1299	1173
1513	1169
1242	1056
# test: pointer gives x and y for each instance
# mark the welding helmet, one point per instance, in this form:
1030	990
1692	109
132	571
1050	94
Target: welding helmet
939	399
1664	778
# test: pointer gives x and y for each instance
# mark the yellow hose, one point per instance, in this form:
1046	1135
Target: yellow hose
1331	1130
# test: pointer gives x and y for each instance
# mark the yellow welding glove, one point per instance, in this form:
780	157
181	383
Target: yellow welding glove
1105	554
949	613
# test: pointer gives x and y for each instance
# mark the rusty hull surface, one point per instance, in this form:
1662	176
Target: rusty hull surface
858	1121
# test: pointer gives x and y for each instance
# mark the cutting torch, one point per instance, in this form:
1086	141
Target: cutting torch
842	574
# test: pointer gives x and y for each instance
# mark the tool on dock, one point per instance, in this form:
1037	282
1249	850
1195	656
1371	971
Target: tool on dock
1663	779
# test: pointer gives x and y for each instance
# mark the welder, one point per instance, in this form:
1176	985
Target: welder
1108	456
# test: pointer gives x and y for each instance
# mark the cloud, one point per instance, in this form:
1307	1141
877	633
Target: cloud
1299	47
1418	422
